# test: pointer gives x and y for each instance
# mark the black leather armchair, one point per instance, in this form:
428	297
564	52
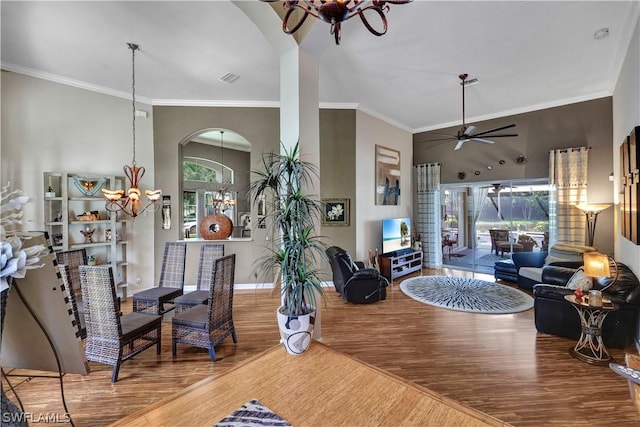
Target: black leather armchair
555	316
354	282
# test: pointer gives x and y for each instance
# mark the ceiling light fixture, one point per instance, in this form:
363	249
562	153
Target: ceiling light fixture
116	200
335	12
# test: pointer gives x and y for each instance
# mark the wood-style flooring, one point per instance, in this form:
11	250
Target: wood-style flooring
497	364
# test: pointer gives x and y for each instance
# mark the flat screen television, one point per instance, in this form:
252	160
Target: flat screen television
396	235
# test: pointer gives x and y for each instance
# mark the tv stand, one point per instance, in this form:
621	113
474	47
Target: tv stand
392	266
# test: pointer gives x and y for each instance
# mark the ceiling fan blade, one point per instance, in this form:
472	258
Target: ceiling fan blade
448	138
460	144
501	135
495	129
485	141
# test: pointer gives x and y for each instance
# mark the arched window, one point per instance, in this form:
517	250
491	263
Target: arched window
205	170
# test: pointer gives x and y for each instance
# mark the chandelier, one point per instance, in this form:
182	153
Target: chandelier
335	12
131	204
222	199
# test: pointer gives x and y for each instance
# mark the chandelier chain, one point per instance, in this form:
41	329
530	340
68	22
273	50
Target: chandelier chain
133	48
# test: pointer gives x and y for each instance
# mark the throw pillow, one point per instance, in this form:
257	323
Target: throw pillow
580	280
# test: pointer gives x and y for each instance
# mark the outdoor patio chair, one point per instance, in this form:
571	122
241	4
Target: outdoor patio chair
154	300
498	239
209	253
206	325
111	338
68	262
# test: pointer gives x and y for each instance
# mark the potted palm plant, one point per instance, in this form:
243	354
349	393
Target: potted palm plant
295	251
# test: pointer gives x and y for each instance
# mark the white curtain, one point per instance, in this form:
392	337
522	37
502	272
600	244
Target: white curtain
428	192
568	179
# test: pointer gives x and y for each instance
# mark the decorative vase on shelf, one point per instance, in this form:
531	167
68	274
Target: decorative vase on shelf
216	226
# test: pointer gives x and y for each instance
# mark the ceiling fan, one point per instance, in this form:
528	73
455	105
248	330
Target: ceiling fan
468	133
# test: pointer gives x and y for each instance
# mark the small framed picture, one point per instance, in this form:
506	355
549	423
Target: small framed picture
336	212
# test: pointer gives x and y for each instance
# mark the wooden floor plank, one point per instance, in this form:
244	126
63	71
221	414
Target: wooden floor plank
497	364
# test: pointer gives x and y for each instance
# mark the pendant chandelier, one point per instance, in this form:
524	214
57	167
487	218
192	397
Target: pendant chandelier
131	204
223	199
335	12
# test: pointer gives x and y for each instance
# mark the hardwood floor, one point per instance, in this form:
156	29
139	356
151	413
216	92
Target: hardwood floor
497	364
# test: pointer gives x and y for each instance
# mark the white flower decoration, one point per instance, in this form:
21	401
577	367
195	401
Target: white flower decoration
15	261
335	212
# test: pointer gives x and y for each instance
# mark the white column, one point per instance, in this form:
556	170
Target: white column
300	116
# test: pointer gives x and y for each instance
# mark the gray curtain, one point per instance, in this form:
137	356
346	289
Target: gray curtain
428	193
568	179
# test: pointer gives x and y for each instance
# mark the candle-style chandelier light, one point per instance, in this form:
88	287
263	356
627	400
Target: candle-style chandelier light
335	12
131	204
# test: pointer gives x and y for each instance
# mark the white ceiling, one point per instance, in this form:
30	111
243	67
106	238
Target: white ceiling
527	54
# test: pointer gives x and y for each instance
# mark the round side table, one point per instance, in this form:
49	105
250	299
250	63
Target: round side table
590	347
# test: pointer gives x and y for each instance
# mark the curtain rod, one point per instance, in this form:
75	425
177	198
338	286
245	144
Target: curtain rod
565	150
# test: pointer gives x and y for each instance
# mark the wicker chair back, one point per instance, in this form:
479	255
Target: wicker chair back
173	262
209	253
112	338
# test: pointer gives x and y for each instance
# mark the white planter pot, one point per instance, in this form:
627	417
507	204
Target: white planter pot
296	331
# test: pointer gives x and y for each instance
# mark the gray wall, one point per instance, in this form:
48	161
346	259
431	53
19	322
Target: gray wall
586	123
52	127
338	172
172	126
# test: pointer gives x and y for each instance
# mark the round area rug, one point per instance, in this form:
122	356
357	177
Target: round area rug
465	294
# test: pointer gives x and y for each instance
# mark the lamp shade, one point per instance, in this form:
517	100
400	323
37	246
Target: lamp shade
596	264
592	208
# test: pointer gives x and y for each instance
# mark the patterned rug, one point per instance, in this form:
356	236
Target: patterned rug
252	414
465	294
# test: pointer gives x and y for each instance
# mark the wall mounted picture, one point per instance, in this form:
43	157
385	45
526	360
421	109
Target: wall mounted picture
387	176
336	212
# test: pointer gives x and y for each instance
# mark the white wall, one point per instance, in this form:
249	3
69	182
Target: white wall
369	132
50	127
626	115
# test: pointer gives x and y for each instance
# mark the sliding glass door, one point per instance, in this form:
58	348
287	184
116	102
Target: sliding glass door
486	222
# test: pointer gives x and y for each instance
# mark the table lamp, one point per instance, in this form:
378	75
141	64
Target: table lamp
597	265
592	211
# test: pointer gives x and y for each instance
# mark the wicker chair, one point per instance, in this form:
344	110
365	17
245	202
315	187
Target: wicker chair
69	261
111	338
209	253
206	325
153	301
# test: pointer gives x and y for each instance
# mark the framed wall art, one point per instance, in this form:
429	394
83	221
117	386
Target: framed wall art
336	212
387	176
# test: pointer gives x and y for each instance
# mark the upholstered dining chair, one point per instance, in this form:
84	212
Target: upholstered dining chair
209	253
68	262
206	325
158	300
112	338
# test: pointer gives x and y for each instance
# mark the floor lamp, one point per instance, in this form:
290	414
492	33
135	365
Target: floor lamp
591	212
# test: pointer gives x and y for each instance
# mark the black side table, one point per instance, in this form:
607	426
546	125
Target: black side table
590	347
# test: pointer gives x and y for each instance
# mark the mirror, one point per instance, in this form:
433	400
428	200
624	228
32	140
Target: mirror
215	170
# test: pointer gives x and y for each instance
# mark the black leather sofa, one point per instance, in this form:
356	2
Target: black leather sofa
505	270
555	316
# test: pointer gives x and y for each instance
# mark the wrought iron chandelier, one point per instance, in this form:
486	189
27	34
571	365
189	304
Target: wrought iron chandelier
116	199
335	12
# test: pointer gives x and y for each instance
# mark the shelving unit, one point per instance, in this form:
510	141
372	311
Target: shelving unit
393	267
62	213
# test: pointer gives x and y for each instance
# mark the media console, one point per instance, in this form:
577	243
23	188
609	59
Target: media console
400	264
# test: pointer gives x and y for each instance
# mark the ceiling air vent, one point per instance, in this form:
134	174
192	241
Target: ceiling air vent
229	78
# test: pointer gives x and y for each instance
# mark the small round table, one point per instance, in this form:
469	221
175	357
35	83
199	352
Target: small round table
590	347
